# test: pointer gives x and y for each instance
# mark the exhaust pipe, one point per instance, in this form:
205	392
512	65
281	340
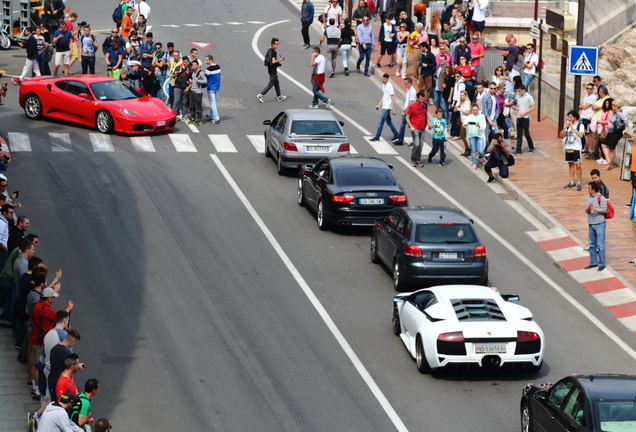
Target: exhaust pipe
492	361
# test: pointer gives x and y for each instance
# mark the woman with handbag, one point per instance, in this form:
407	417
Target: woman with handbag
572	145
616	126
499	158
602	128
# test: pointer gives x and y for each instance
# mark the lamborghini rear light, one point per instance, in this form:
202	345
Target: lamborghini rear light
528	343
412	250
451	343
480	251
344	147
342	198
523	336
290	146
398	198
451	337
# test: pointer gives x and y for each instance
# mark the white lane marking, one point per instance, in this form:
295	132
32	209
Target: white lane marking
568	253
258	141
352	150
605	274
381	147
170	25
364	373
182	143
255	22
142	144
192	25
589	275
148	28
629	322
524	212
213	24
19	142
193	128
546	234
222	143
234	23
101	142
616	297
60	142
293	80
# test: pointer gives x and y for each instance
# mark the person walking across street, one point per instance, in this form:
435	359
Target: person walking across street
387	103
273	62
572	132
416	117
347	36
318	63
596	207
213	74
525	105
438	130
366	41
32	60
409	98
306	19
332	34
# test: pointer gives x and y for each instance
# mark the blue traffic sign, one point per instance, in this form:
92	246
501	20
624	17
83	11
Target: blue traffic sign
583	60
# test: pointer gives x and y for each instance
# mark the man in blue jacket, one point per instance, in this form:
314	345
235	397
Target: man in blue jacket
213	74
306	18
32	61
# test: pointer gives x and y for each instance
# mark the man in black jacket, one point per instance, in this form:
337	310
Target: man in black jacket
149	81
427	69
32	61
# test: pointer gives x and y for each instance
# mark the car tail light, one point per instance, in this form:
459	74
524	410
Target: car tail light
451	337
443	223
523	336
412	250
344	147
289	146
342	198
397	198
480	251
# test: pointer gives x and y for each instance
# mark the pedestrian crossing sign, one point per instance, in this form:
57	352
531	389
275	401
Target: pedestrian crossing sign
583	60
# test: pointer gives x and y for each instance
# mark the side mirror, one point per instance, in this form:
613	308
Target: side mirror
341	123
267	122
308	168
510	297
472	221
390	167
541	395
85	96
398	299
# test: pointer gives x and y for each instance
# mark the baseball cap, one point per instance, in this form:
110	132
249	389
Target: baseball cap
134	63
48	292
68	397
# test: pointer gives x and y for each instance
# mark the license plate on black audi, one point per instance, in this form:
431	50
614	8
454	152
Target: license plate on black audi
448	255
371	201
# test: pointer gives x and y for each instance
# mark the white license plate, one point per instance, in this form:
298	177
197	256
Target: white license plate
487	349
371	201
317	149
161	123
448	255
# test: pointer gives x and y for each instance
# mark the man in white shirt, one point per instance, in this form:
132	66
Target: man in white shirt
319	63
586	111
144	9
479	18
332	10
387	103
529	66
409	98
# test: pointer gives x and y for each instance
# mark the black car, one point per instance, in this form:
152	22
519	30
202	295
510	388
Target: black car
429	245
353	190
581	403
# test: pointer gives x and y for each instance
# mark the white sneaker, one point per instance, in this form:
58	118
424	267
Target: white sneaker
328	103
260	98
313	106
397	73
601	161
281	98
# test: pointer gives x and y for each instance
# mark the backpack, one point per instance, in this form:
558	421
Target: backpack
268	58
610	208
77	407
117	14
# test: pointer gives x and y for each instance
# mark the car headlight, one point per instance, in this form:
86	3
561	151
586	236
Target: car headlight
127	112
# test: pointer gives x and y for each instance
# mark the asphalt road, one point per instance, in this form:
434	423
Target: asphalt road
189	317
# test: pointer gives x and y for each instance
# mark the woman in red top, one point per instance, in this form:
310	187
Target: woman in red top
466	70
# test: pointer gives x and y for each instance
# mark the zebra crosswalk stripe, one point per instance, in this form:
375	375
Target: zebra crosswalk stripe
19	142
142	144
381	147
101	142
182	143
60	142
258	141
222	143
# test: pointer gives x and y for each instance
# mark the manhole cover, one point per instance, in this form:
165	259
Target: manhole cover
230	103
240	31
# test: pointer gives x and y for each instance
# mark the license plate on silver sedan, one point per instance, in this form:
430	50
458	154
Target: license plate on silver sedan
448	255
488	349
316	149
371	201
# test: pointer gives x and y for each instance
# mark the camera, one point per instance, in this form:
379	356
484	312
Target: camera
82	24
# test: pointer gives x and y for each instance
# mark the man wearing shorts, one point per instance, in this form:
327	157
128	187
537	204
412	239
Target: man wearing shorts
62	40
479	17
573	131
387	31
70	26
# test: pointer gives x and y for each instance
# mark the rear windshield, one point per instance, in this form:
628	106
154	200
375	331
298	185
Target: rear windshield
315	127
615	415
439	233
365	177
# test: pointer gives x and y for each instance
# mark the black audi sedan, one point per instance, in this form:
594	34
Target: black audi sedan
429	245
581	403
351	190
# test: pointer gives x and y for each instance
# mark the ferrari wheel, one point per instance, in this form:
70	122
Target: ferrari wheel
525	417
299	193
104	122
323	225
5	42
420	358
374	250
397	327
33	106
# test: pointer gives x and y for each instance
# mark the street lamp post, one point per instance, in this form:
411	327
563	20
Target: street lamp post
580	23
